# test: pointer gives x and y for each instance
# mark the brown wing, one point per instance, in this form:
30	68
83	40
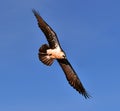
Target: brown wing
47	30
72	77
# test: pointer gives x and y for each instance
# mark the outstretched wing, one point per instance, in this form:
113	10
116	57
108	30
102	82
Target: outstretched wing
47	30
72	77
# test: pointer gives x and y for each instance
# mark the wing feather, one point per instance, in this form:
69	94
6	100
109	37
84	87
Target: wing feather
47	30
72	77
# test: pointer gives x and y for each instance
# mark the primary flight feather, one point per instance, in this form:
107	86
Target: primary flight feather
48	53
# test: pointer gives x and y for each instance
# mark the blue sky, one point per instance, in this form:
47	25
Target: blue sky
89	32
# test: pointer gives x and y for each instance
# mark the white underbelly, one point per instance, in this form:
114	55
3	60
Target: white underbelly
55	53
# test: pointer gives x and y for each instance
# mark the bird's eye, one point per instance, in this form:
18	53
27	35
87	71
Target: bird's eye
63	56
50	54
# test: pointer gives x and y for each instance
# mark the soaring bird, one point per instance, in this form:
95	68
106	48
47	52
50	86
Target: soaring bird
48	53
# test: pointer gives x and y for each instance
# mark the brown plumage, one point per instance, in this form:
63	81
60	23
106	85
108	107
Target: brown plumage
46	57
43	56
72	77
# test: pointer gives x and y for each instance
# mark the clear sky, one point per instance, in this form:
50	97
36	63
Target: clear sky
89	32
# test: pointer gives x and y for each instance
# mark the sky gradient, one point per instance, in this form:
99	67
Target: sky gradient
89	33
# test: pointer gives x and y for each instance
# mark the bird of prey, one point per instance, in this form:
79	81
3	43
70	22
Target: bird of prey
48	53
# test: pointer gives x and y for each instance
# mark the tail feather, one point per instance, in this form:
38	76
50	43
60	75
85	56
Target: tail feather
43	56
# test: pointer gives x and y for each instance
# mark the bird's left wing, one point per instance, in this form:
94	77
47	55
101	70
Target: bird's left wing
72	77
47	30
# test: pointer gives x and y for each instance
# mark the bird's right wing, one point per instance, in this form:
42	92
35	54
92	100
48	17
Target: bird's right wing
47	30
72	77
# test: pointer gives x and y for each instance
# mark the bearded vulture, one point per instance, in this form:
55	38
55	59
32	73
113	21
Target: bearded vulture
48	53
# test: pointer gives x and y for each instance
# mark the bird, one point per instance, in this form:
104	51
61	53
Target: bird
53	51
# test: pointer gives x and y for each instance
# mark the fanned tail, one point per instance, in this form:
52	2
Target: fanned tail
43	56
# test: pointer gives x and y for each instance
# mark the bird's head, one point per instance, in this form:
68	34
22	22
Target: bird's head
62	55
